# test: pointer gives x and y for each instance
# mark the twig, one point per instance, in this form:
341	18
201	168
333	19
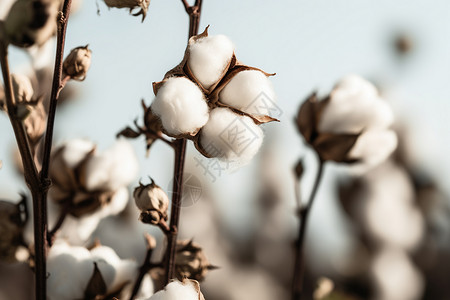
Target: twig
62	217
31	177
299	265
180	153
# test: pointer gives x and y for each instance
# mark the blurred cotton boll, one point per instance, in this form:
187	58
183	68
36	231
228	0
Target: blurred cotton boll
396	277
209	57
23	90
181	106
230	136
249	91
176	290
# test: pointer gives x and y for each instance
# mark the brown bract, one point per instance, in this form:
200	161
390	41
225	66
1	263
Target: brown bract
191	261
131	5
329	146
11	230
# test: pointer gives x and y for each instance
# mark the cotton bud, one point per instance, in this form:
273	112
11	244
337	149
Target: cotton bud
131	4
152	201
230	136
31	22
209	58
190	261
249	91
77	63
351	125
176	290
181	106
11	228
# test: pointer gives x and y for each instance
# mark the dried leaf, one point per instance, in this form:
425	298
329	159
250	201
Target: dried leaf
306	118
96	286
128	133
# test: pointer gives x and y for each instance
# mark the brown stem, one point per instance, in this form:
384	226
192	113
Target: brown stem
180	152
31	177
146	266
299	265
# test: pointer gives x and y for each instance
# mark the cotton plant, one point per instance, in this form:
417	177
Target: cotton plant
180	290
350	126
78	273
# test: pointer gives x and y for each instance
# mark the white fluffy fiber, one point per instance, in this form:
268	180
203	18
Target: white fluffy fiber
355	106
23	90
72	267
230	136
209	57
112	169
250	91
177	290
181	106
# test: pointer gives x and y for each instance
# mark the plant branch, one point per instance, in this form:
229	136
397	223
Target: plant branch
180	153
31	177
303	213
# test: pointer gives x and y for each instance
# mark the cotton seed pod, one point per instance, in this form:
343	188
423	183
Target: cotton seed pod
249	91
11	229
209	58
191	261
152	201
181	106
176	290
131	5
230	136
31	22
350	125
77	63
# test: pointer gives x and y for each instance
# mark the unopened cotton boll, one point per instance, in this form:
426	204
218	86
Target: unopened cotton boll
181	106
152	201
250	91
176	290
209	57
77	63
230	136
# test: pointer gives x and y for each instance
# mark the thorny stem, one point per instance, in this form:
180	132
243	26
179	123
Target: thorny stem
30	174
180	153
299	265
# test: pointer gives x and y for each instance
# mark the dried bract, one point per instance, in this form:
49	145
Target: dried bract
11	229
191	261
77	63
131	5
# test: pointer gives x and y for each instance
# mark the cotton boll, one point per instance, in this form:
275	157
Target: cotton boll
209	57
352	85
70	269
230	136
373	147
111	169
181	106
249	91
396	277
75	151
177	290
23	90
117	203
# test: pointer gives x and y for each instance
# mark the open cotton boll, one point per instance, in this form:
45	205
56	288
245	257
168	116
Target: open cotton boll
181	106
209	57
230	136
75	151
112	169
177	290
373	146
250	91
354	85
70	269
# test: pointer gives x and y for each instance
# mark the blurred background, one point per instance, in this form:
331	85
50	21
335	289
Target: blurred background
385	235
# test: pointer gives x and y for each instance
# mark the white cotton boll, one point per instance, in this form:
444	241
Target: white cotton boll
230	136
250	91
177	291
353	84
117	203
112	169
23	90
75	151
181	106
209	57
70	269
373	147
396	277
